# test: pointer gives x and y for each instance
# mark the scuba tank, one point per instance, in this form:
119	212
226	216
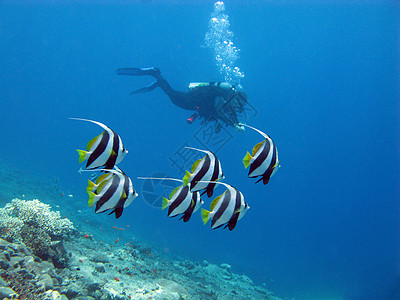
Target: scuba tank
222	85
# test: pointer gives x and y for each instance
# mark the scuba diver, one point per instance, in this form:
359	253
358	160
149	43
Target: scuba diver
218	102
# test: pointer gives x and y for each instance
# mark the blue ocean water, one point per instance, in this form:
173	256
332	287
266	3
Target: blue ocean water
323	78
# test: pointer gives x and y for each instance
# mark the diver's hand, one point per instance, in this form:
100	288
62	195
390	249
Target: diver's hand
239	128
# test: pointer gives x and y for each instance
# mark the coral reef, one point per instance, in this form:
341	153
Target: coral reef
34	213
43	257
39	228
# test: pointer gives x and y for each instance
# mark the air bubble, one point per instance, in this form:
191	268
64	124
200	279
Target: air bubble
219	38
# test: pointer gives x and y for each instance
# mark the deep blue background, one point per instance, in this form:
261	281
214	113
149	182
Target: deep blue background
323	77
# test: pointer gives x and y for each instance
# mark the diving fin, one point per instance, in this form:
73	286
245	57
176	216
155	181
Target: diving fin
153	71
146	89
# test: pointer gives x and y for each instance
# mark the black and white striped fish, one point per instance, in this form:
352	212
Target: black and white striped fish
264	160
181	200
205	169
226	209
103	151
112	192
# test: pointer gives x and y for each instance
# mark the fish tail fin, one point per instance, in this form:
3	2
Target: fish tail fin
185	178
205	215
246	160
91	186
91	198
165	202
82	155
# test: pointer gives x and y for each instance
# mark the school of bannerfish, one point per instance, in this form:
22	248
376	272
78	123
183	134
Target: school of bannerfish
113	191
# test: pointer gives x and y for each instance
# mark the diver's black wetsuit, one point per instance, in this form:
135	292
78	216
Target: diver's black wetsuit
211	101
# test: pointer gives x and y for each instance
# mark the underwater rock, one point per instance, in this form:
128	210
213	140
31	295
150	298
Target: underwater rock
225	266
173	290
85	298
4	265
25	274
6	292
5	256
246	279
24	250
71	291
54	295
37	240
47	281
60	257
93	287
2	282
100	268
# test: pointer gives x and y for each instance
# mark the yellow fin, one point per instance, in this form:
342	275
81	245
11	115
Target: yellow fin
196	163
91	186
185	179
102	177
91	198
165	202
174	192
205	215
92	142
215	201
82	155
246	160
256	147
101	186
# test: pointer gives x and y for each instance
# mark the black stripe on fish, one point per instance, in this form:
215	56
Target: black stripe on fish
179	199
267	175
202	172
233	221
210	187
188	213
109	193
101	147
119	208
260	159
121	202
110	163
224	205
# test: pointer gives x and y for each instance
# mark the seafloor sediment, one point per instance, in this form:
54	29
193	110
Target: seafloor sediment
43	256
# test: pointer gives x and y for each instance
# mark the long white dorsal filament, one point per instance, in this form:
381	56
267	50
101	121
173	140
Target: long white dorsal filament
217	182
205	151
255	129
156	178
95	122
